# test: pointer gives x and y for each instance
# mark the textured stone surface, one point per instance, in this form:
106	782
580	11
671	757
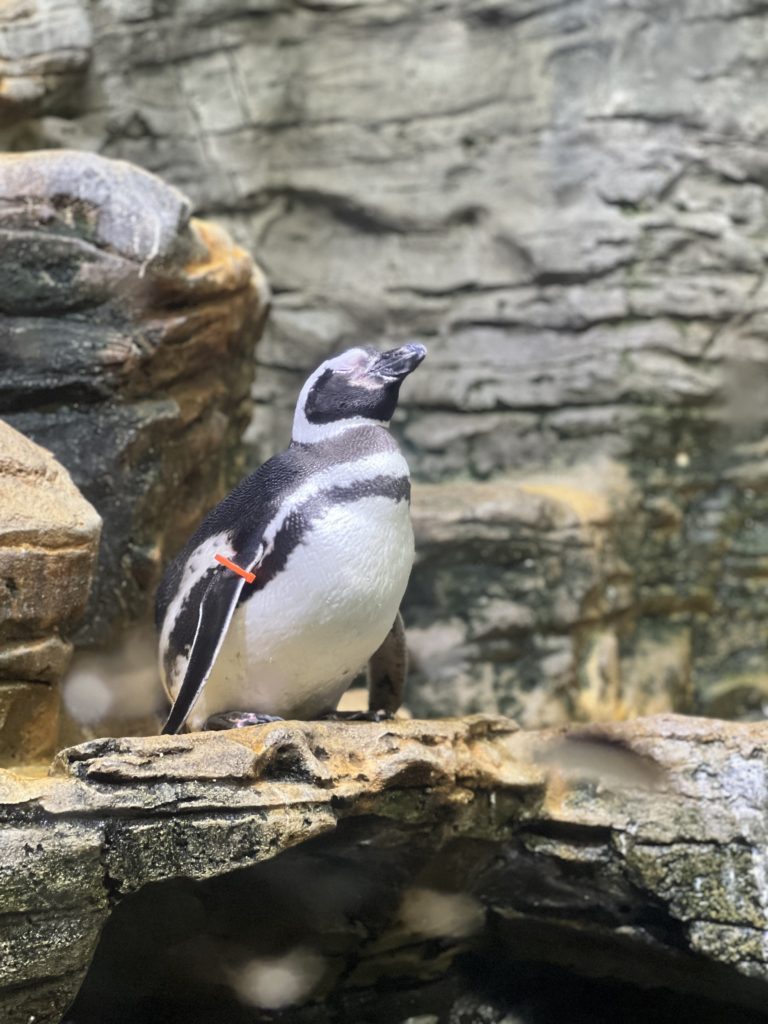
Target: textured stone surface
29	722
634	851
45	46
49	539
126	347
566	201
521	602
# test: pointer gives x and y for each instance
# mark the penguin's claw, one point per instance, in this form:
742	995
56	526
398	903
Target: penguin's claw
238	720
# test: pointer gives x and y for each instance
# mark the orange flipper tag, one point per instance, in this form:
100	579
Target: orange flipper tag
249	577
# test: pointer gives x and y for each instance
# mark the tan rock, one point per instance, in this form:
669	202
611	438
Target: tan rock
29	722
38	496
44	659
49	537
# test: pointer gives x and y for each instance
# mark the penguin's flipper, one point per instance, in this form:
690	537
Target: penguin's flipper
387	669
214	614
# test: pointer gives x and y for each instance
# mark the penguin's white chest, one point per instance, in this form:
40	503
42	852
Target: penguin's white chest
294	647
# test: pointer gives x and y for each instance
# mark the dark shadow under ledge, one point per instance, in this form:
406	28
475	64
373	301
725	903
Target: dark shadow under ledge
634	851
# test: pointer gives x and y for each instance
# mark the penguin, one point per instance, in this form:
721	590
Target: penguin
293	582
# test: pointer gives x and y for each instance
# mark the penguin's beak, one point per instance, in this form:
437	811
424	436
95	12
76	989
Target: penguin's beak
399	362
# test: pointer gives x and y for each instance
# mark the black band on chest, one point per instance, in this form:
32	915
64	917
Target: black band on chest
300	520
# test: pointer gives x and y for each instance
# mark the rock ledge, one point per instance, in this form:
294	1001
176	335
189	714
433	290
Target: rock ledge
644	841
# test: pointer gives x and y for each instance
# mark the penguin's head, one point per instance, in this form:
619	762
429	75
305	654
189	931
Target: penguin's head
361	386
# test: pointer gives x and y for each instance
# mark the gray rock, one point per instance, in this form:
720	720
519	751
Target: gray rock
111	204
45	46
116	307
521	602
345	855
565	201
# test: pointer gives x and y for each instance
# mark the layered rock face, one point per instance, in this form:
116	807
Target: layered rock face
567	203
49	538
126	347
340	870
45	46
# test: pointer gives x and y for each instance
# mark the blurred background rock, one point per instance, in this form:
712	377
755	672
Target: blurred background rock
567	203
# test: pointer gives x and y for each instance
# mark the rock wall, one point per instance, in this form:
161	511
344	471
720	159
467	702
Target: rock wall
567	202
127	331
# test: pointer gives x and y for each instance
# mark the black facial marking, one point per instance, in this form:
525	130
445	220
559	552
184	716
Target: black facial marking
336	396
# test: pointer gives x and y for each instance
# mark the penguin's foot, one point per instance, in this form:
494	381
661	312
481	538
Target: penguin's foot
358	716
238	720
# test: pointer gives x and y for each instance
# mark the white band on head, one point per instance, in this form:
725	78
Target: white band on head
305	432
352	359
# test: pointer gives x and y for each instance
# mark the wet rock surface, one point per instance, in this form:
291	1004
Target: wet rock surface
357	856
127	331
49	540
566	201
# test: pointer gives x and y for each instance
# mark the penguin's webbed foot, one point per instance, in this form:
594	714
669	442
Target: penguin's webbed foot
358	716
238	720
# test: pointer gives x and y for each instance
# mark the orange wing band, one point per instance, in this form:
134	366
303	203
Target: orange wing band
249	577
